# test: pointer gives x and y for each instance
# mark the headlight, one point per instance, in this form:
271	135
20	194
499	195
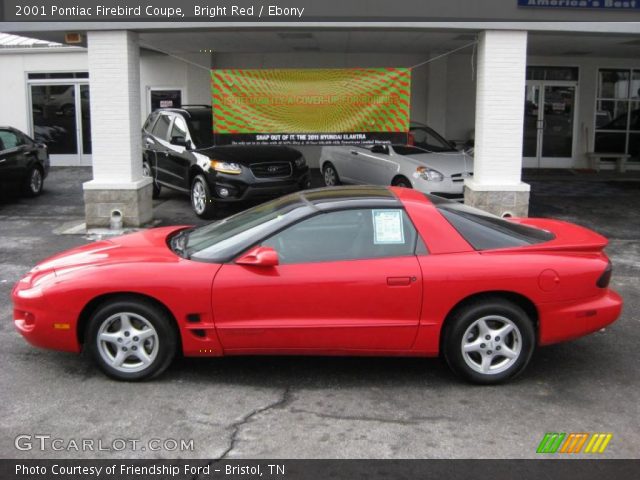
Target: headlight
430	174
300	162
226	167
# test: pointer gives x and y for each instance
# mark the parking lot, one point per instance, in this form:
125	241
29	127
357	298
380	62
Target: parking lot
292	407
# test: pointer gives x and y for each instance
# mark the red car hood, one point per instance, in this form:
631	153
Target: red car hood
569	236
146	246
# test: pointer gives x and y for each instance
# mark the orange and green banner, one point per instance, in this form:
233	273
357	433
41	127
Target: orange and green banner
311	106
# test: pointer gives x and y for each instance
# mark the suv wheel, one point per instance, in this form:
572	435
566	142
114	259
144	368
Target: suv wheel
147	172
201	199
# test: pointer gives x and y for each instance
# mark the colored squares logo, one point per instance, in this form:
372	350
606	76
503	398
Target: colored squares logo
574	443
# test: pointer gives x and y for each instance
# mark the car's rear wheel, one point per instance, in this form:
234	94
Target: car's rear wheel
489	341
201	199
147	172
401	182
131	339
330	175
34	182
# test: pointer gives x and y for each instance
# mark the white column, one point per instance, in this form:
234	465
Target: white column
501	67
114	82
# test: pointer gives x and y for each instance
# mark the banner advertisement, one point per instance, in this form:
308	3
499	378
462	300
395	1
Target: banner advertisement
356	106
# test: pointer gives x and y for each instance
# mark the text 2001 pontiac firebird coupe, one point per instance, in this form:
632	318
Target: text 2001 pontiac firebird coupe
340	271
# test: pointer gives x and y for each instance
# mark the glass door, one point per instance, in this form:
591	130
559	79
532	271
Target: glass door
61	120
549	124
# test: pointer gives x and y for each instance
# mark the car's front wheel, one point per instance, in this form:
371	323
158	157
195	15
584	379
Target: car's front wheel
401	182
489	341
201	199
330	175
34	182
131	339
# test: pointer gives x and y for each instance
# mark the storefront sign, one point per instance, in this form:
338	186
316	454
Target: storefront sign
586	4
311	106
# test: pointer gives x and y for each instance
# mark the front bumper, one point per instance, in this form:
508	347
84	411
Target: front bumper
40	324
247	187
568	320
447	188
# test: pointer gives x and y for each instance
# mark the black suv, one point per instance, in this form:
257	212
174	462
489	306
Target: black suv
178	153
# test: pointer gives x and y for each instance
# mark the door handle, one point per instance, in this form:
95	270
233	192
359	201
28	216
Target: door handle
400	281
353	152
3	160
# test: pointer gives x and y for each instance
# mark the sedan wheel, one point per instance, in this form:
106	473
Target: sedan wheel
131	340
201	199
491	344
401	182
330	175
489	341
34	182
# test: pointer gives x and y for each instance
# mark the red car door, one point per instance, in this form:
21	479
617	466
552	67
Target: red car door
313	302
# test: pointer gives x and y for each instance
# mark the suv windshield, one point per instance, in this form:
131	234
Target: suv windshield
221	241
485	231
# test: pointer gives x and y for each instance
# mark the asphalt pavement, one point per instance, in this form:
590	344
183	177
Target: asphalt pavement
292	407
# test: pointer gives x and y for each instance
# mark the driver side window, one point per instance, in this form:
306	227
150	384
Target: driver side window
346	235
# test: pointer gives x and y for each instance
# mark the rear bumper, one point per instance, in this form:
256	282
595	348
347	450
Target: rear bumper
568	320
40	324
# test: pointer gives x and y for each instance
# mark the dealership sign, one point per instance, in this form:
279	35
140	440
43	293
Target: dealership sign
311	106
599	4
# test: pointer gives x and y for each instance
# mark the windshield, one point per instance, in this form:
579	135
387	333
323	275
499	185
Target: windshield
408	150
220	241
430	140
201	126
485	231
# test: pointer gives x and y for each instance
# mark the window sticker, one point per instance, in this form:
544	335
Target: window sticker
387	227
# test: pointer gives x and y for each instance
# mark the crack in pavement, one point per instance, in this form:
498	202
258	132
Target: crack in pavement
236	426
364	418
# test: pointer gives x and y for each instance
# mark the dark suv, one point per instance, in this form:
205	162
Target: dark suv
178	153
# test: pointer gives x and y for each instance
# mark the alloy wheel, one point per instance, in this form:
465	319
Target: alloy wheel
198	197
35	182
127	342
491	344
330	177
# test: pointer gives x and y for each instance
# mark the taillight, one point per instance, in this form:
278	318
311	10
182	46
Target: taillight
605	278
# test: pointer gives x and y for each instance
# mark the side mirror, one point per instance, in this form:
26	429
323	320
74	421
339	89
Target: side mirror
259	257
379	149
180	141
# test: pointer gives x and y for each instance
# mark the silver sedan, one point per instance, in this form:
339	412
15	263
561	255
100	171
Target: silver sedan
441	173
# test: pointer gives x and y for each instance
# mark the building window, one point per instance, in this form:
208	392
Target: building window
564	74
617	117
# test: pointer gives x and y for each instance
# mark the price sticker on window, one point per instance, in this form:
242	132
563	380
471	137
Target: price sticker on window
387	227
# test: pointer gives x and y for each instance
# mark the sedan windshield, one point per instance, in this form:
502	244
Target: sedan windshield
221	241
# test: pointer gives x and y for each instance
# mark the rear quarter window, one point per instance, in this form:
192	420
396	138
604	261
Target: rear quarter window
485	231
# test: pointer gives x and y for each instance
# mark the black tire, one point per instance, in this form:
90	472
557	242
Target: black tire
330	172
401	182
147	172
142	316
201	199
463	332
34	182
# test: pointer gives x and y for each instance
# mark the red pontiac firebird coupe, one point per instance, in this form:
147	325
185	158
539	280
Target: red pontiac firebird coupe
338	271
